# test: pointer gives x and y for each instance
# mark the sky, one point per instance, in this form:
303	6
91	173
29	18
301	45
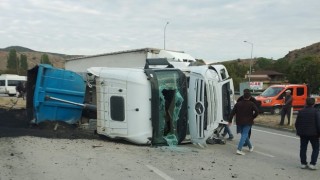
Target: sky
212	30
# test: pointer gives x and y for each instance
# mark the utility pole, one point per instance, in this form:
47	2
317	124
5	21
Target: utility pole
250	63
164	35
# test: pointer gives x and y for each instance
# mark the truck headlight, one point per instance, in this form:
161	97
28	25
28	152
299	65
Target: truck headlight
267	101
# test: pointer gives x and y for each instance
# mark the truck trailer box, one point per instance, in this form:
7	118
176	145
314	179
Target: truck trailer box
46	85
127	59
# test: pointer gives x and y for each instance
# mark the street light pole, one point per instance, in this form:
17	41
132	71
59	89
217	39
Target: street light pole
250	63
164	36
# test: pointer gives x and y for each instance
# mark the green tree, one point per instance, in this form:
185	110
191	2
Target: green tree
12	61
306	70
23	64
45	59
282	65
237	72
263	64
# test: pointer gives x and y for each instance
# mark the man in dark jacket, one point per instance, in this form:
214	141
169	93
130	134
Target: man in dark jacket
286	108
241	98
307	126
252	99
20	88
245	112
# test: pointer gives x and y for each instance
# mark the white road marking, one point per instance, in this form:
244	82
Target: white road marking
160	173
293	137
258	152
265	154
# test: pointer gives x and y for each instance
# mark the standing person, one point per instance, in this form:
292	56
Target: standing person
227	130
20	89
307	126
252	99
286	108
245	112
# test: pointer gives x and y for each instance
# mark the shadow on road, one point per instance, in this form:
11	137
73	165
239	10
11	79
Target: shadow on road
14	123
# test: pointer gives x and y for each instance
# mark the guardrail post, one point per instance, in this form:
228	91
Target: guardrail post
291	114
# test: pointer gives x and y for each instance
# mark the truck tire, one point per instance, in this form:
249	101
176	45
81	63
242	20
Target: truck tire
276	110
11	95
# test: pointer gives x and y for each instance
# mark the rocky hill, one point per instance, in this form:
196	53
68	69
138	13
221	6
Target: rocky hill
33	57
312	50
58	60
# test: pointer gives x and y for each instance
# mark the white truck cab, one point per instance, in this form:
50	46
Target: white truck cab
210	98
143	106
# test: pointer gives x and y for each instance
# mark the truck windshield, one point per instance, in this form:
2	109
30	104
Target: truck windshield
170	115
170	104
272	91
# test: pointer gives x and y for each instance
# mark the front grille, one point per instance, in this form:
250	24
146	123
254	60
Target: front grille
200	94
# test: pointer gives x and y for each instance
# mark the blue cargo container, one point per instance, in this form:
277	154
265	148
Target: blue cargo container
46	81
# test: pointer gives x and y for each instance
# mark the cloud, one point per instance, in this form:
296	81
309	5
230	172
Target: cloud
212	30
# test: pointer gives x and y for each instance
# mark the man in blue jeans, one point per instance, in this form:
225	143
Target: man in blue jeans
308	128
245	111
252	99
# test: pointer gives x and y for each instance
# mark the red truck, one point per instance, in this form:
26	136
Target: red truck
272	98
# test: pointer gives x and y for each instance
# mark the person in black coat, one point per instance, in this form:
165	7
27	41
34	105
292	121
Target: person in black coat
307	127
20	88
252	99
286	108
245	112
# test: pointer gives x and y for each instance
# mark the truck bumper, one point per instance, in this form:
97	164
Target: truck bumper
266	109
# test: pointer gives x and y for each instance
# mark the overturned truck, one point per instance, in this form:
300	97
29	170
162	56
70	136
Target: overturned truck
145	106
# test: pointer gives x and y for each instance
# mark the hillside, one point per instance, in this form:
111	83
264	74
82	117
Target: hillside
58	60
17	48
33	57
312	50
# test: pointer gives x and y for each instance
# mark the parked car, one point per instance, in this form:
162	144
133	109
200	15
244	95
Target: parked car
272	99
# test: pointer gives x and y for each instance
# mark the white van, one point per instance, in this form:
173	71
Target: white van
8	83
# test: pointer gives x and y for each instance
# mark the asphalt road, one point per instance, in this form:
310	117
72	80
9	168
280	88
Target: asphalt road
276	156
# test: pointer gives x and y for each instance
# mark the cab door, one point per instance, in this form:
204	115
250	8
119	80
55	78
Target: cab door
299	96
115	99
111	105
